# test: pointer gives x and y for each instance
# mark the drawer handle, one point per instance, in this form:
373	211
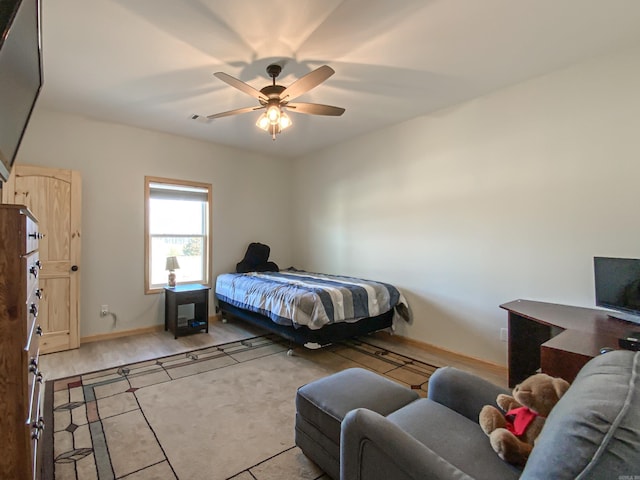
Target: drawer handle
36	235
33	309
33	366
35	267
38	427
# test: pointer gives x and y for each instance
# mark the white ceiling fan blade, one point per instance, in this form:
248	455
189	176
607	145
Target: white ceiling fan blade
306	83
240	85
200	118
315	109
208	118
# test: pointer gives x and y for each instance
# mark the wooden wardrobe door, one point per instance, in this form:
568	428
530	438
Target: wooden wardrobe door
54	196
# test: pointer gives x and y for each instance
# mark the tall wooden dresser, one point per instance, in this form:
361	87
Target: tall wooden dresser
21	424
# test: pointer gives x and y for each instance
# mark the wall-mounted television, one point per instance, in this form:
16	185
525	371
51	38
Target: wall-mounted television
20	74
618	287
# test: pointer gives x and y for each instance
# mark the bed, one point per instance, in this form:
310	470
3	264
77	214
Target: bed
308	308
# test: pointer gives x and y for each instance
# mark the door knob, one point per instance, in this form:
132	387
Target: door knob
74	268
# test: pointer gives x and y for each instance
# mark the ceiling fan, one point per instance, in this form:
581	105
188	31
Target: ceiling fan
275	99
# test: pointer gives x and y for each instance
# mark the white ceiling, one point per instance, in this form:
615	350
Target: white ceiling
149	63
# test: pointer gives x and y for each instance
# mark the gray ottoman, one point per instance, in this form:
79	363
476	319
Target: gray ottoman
321	406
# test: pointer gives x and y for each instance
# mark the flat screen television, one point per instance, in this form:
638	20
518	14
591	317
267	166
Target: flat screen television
618	287
20	74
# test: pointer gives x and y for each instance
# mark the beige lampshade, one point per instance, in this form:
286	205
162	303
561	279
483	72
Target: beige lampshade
172	264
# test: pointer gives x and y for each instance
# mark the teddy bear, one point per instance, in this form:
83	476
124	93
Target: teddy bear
512	434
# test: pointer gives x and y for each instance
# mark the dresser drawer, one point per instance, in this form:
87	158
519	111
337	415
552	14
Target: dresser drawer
32	324
36	432
33	235
35	390
33	267
34	377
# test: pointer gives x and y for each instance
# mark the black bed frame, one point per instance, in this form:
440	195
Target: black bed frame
303	335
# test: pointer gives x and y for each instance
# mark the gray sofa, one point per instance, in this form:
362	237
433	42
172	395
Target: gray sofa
592	433
357	425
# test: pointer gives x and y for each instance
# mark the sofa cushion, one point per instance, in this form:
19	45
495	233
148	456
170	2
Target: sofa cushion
325	402
594	430
453	437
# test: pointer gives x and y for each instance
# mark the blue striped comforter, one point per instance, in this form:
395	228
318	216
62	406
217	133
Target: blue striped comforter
295	297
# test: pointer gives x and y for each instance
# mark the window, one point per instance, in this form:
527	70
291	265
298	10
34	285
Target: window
177	224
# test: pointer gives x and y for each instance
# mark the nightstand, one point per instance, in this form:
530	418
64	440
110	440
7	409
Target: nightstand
186	309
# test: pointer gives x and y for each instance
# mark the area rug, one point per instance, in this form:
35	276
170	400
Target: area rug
222	412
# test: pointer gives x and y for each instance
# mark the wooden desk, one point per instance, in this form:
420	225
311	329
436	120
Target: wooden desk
558	339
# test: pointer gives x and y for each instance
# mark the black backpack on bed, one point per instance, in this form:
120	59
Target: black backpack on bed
256	260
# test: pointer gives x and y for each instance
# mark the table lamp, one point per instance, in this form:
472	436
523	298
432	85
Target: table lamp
172	265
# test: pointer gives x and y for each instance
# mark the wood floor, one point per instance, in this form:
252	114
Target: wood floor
120	351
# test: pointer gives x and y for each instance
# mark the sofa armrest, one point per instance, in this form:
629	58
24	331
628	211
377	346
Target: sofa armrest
463	392
372	448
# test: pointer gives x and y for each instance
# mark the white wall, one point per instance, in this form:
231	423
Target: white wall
251	202
508	196
504	197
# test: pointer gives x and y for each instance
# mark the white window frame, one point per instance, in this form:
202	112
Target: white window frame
148	180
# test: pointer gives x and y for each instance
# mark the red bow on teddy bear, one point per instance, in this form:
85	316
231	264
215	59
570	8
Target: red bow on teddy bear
518	419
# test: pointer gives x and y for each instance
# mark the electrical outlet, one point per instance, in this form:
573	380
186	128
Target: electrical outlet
104	310
504	335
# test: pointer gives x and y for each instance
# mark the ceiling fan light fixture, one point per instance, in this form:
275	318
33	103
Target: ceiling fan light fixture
273	113
285	121
263	122
274	128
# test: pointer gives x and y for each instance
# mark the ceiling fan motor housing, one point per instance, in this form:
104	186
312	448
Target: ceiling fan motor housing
274	70
271	92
